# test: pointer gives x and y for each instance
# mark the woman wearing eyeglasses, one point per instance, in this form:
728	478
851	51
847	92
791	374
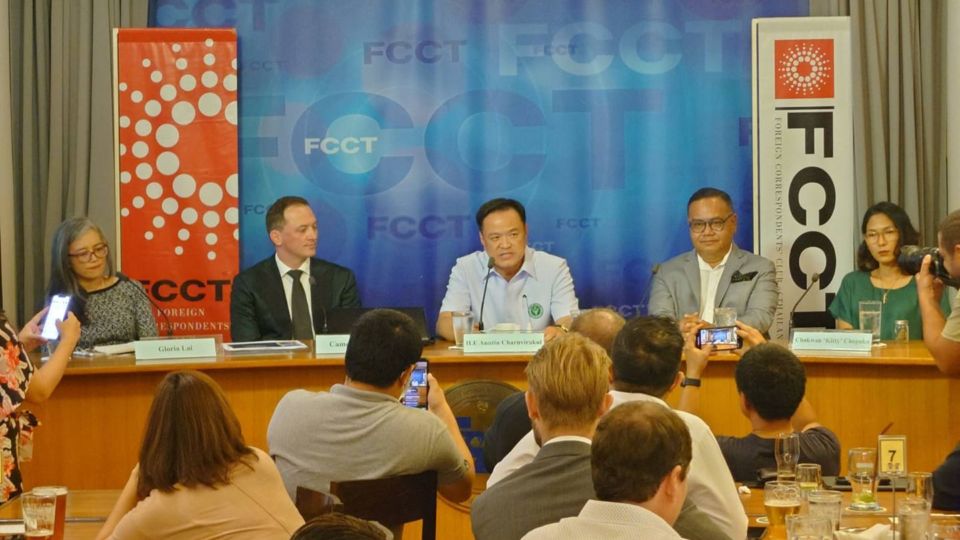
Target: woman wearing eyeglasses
886	228
110	309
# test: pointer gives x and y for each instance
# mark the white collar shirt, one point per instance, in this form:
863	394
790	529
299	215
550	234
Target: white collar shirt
709	281
602	520
287	281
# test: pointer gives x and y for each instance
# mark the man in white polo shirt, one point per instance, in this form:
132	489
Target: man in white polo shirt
526	289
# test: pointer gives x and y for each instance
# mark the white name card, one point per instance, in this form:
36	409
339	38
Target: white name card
506	342
331	343
175	349
831	340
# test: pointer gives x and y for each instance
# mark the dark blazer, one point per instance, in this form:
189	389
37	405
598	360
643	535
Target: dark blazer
258	305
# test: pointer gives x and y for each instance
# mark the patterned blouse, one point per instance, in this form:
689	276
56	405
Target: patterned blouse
16	426
118	314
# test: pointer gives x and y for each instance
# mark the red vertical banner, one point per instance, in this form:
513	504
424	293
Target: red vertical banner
175	103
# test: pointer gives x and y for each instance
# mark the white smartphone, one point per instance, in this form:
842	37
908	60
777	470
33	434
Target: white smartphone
57	312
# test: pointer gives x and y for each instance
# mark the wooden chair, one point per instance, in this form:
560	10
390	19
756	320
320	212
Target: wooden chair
312	503
392	501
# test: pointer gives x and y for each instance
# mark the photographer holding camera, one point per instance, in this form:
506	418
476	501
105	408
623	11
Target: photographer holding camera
940	334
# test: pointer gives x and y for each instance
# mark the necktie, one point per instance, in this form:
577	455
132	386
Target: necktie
302	328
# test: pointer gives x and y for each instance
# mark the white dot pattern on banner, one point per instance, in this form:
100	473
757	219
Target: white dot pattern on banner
138	202
154	190
208	42
168	163
231	112
211	219
123	87
231	185
230	82
188	82
176	47
123	149
209	79
124	121
236	234
136	96
148	235
178	250
189	216
209	104
210	194
181	63
211	239
183	234
143	128
159	222
167	135
156	76
211	255
168	92
209	59
233	63
183	113
125	177
140	149
152	107
144	171
169	206
184	185
124	212
146	62
231	215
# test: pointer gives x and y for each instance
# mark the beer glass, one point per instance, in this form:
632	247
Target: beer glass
60	492
39	511
861	471
781	499
808	476
787	451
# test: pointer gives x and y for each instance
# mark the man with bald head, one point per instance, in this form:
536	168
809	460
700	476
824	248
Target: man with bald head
511	422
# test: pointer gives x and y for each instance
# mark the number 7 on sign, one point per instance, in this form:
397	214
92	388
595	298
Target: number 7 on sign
893	455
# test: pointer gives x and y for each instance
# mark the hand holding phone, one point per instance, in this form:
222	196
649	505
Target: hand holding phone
415	394
723	338
56	312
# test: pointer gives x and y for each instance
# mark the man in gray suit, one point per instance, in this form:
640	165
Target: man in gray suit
716	273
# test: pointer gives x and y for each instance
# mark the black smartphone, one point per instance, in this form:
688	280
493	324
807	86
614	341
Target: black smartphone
723	338
415	395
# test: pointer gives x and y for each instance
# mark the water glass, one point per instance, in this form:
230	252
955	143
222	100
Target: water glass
725	316
462	324
808	476
60	517
826	503
781	499
39	511
787	451
861	471
944	530
913	518
809	528
870	312
920	485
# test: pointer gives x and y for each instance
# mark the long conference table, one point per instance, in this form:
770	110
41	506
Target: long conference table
92	426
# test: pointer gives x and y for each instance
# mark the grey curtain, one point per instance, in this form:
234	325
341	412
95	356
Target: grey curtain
899	63
61	98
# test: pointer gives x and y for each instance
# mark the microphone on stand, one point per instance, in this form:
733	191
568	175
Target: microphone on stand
526	309
813	280
323	310
124	277
645	297
483	299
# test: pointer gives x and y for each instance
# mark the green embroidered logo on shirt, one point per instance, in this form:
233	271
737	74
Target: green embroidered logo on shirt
535	311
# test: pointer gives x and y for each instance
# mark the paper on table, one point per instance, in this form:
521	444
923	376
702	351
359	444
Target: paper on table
879	531
12	528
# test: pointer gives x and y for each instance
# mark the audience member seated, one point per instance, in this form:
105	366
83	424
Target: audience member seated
771	383
886	228
337	526
511	423
646	367
568	380
21	382
359	430
640	458
196	477
111	308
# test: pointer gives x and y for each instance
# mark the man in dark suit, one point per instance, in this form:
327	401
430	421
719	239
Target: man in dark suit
287	295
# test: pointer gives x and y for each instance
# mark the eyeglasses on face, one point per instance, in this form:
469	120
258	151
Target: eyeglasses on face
99	251
716	224
887	234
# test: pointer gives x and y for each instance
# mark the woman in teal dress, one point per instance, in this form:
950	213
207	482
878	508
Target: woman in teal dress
886	227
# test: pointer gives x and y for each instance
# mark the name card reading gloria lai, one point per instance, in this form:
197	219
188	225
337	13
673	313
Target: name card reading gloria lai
175	349
507	342
835	340
331	343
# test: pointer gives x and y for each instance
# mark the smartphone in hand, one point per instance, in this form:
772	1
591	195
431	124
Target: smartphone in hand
415	394
56	312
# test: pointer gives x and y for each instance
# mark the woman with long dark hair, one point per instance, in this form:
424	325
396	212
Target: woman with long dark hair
196	477
110	308
886	228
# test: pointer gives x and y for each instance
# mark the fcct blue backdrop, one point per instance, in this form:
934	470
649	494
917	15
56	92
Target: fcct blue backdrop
396	119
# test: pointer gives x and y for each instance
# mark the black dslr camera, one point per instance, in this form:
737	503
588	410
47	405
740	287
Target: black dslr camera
911	257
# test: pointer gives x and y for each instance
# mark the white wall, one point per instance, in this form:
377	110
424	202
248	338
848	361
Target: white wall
953	104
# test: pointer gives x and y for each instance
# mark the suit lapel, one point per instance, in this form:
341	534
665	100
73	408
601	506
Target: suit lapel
734	262
319	291
275	297
692	269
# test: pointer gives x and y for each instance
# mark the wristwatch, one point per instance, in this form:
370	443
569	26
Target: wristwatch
687	381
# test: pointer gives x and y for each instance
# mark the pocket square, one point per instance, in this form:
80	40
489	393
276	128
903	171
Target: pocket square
737	277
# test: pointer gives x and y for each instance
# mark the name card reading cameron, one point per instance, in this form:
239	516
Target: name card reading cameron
507	342
175	349
331	343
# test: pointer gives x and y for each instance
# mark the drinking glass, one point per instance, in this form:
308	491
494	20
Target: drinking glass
809	528
462	324
826	503
944	530
39	511
913	518
787	451
60	492
725	316
781	499
920	485
870	312
808	476
861	471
